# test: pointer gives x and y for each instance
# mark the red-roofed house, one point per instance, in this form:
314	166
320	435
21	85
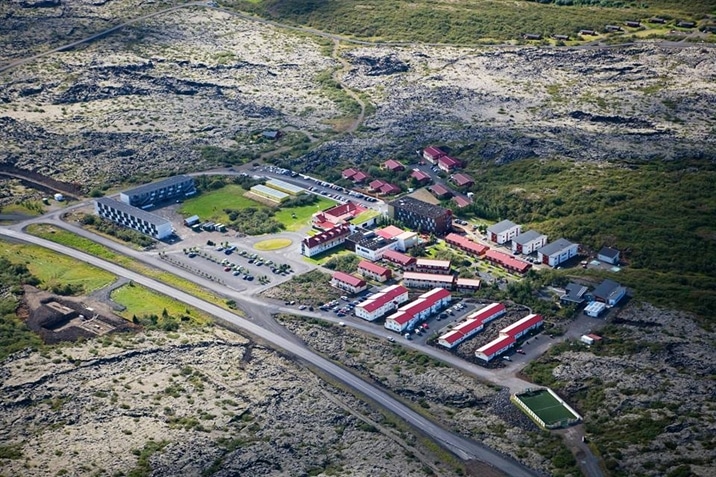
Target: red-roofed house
426	265
319	243
399	258
336	215
374	271
393	165
389	232
466	285
460	333
466	245
461	201
382	302
376	185
432	154
349	173
447	163
409	315
495	348
389	189
440	191
462	180
359	177
420	176
348	283
520	328
489	313
428	280
507	262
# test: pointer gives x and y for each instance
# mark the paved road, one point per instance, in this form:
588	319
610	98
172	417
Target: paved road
463	448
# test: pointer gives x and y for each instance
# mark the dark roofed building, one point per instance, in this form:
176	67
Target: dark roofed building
632	24
421	216
175	187
608	255
609	292
574	293
686	24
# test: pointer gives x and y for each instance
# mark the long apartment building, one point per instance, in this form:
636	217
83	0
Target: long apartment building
171	188
382	303
421	216
428	280
508	337
133	217
466	245
407	316
474	323
319	243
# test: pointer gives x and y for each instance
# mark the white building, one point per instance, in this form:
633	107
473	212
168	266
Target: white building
608	255
520	328
175	187
557	252
324	241
427	280
407	240
382	303
609	292
495	348
133	217
594	309
416	311
374	249
348	283
503	232
528	242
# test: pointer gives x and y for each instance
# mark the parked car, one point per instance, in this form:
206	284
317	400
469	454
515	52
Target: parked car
521	351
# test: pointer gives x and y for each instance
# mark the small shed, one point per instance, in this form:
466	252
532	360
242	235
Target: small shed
685	24
608	255
271	135
191	221
594	309
632	24
59	197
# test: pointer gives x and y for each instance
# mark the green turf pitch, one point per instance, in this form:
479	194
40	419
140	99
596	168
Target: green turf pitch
546	407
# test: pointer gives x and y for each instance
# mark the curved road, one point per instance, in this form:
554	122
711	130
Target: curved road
463	448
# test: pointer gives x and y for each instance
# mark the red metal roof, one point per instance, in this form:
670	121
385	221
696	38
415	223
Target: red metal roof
386	296
436	294
467	244
348	173
344	211
359	176
393	165
420	175
327	236
401	317
495	345
389	232
433	152
449	162
439	190
521	325
508	261
349	279
389	189
373	268
462	179
488	311
468	326
399	258
461	201
452	336
376	184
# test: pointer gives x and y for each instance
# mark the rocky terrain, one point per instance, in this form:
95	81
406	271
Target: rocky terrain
197	403
480	411
647	392
146	99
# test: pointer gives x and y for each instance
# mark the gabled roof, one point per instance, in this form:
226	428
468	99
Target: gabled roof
433	151
508	260
439	190
428	262
606	288
393	165
500	227
609	252
527	237
327	236
420	175
391	231
466	327
521	325
373	268
398	257
152	186
466	244
389	189
452	336
556	247
348	173
495	345
467	282
380	299
461	201
449	162
359	176
342	210
433	277
574	293
487	312
436	294
349	279
376	184
462	179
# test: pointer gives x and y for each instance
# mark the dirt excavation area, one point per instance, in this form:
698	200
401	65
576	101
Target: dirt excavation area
204	402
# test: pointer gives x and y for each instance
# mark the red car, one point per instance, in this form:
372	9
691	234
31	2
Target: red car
425	325
521	351
227	269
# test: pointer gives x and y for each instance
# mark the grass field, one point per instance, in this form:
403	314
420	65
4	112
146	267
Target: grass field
80	243
546	407
302	214
273	244
210	205
140	301
54	269
466	22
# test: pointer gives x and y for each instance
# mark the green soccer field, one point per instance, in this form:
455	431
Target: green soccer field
546	407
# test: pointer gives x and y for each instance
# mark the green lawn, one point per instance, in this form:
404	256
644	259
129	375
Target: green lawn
303	214
546	407
365	216
55	269
140	301
209	206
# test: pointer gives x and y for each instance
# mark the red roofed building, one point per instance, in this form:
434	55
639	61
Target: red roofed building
349	173
461	201
466	245
376	185
520	328
409	315
489	313
389	189
447	163
420	176
374	271
440	191
495	348
319	243
389	232
508	262
432	154
428	280
466	285
339	214
393	165
359	177
426	265
398	258
382	302
462	180
460	333
348	283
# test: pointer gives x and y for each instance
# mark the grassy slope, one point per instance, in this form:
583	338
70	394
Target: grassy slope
143	301
461	21
660	214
